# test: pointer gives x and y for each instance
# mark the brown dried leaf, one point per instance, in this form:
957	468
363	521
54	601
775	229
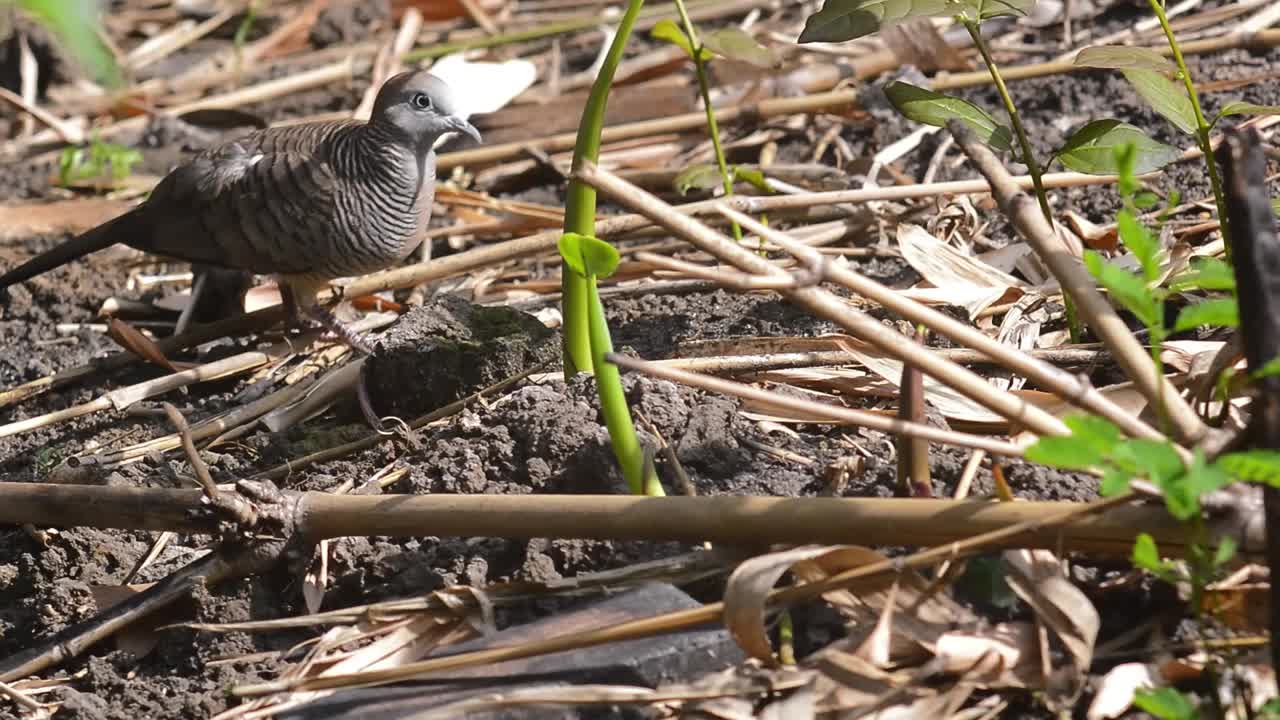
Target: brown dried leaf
128	337
749	585
1037	576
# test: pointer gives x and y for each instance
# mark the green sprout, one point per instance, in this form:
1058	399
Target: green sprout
580	202
726	42
100	161
593	258
1149	71
586	258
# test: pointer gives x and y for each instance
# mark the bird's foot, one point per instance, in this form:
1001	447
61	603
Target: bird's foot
343	332
299	313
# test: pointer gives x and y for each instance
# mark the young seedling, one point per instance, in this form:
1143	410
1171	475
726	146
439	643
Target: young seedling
1150	73
1141	292
727	42
100	161
593	258
580	202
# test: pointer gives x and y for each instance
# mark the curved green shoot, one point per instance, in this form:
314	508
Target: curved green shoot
592	258
580	203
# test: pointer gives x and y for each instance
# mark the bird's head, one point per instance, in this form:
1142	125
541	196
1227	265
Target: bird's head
420	107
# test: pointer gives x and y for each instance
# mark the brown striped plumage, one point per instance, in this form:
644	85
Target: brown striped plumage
306	203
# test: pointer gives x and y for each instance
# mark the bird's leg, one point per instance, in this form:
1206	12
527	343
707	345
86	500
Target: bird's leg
297	310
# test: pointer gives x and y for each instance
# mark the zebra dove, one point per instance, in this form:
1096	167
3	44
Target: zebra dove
305	203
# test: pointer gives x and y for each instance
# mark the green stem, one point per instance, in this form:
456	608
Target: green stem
639	473
580	202
1028	157
1033	167
1202	125
713	129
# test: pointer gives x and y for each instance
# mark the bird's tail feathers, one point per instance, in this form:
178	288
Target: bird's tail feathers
98	238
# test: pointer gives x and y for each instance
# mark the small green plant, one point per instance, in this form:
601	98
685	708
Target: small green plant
100	161
580	202
1166	703
1141	292
584	258
1156	81
726	42
594	258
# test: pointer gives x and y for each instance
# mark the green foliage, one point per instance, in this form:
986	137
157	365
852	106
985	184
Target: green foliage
588	256
931	108
735	44
1092	149
1271	369
985	578
1123	57
1146	556
75	24
1166	703
841	20
1259	466
1239	107
1126	288
669	31
1206	274
101	160
1165	97
706	176
1218	312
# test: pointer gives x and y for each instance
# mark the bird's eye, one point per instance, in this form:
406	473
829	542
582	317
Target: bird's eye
421	101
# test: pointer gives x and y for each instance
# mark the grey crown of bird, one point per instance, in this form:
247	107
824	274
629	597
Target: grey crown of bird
305	203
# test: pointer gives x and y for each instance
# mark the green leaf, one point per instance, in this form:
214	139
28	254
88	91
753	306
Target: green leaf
980	10
698	177
1270	369
1114	482
1146	555
1165	703
1092	149
75	24
985	577
1165	97
1182	498
736	44
1154	459
1123	57
1140	241
1259	466
1128	289
1219	312
841	20
1090	441
666	29
1240	107
931	108
1225	551
588	256
755	178
1207	274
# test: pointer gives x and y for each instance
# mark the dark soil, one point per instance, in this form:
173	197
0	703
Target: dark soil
539	438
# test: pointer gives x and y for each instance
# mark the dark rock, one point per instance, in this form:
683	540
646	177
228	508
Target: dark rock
447	349
646	662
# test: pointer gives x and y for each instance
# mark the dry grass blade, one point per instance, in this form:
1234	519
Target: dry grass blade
826	305
819	411
1075	280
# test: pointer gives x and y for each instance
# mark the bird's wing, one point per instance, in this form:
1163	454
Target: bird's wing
238	206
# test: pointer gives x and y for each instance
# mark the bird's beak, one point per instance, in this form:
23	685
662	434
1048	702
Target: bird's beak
461	125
